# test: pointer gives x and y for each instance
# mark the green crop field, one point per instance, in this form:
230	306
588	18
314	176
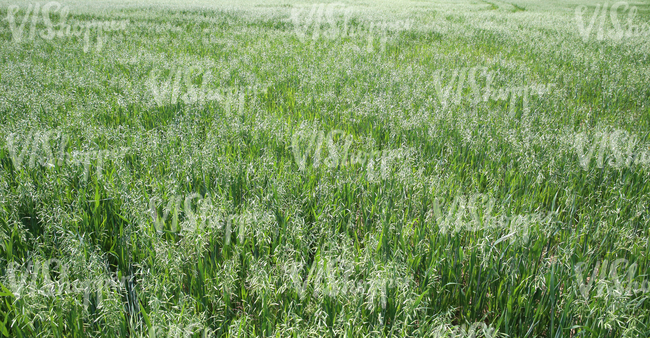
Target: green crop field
361	168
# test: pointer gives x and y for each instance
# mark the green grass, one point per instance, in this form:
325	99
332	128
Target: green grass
199	220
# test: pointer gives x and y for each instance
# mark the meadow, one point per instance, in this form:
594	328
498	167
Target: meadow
343	169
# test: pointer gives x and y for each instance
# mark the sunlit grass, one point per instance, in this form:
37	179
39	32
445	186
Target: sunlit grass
164	184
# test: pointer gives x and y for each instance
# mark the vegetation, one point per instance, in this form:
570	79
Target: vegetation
287	169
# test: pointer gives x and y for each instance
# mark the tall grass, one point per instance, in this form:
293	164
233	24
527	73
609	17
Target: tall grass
289	248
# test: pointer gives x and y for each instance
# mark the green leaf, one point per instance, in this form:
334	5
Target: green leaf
5	292
144	314
3	329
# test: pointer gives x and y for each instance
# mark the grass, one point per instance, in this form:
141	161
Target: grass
202	219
